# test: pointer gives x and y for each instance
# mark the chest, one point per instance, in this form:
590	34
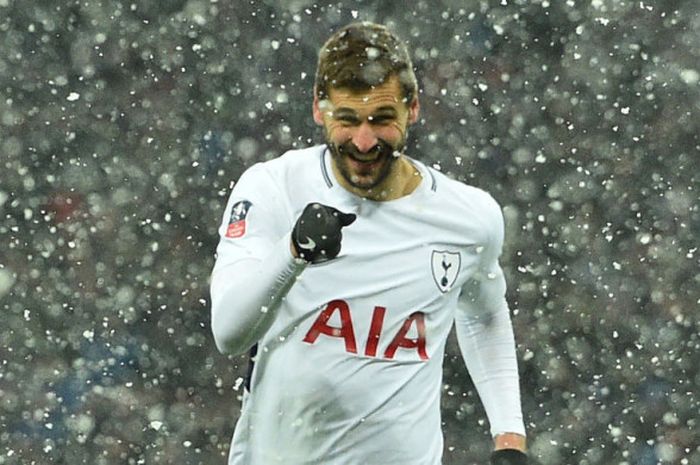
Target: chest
390	293
403	257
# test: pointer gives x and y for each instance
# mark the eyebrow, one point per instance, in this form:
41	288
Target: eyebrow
386	109
345	112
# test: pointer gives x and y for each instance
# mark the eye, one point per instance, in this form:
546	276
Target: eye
347	120
381	119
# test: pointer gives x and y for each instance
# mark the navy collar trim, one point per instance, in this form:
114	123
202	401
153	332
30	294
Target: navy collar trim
433	186
324	169
327	178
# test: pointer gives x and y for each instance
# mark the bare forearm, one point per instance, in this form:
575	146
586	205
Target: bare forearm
510	441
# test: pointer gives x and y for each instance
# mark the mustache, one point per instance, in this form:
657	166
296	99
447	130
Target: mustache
382	147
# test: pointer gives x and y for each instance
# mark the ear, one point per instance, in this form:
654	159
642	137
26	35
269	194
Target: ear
318	114
413	111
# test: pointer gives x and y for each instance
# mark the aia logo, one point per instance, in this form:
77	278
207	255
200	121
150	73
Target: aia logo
237	221
346	331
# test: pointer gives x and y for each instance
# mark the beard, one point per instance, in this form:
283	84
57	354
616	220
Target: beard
361	174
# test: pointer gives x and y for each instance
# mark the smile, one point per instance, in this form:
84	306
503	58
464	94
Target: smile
369	158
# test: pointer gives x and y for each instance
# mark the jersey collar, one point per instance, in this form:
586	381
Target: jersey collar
331	183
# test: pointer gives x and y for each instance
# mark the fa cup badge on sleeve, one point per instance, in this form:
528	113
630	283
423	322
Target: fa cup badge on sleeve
237	222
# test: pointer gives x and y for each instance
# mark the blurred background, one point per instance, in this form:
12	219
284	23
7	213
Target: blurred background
124	124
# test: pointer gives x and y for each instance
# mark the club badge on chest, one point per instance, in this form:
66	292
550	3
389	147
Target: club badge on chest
445	266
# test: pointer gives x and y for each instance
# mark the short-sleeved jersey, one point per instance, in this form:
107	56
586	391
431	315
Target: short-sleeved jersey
350	371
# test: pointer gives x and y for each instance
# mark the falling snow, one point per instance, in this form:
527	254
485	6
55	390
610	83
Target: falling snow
123	126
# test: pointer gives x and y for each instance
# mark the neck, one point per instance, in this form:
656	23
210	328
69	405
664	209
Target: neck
401	181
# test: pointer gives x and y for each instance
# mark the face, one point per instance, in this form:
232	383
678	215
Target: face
366	131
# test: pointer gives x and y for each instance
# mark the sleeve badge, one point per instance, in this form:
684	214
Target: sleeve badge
237	221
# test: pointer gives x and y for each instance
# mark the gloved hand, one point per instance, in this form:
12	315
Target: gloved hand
317	233
508	457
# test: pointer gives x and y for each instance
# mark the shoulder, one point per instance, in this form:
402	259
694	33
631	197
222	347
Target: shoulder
463	195
292	161
472	207
283	170
285	181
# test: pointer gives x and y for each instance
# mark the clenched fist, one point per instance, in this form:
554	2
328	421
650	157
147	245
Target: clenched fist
317	233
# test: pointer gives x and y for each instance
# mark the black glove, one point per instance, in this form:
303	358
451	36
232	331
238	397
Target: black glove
508	457
316	234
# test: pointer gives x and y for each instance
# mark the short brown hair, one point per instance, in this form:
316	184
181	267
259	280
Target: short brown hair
363	55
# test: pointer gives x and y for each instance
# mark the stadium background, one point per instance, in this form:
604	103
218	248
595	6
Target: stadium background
123	125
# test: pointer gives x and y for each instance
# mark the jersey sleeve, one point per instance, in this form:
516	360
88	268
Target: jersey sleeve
252	220
485	333
254	266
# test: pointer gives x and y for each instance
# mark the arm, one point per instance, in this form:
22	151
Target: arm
485	336
254	268
488	348
246	295
257	260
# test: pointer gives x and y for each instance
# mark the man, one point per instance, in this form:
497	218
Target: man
344	267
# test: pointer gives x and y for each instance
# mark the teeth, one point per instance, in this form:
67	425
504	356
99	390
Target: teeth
364	160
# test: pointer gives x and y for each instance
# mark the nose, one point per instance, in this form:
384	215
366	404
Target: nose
364	138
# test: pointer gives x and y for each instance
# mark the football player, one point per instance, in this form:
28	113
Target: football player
343	267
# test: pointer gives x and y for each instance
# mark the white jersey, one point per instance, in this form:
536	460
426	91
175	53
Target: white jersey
349	365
